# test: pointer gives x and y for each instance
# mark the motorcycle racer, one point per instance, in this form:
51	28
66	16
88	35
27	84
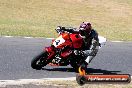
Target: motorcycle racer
91	41
73	46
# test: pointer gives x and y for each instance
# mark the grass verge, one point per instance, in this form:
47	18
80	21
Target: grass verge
38	18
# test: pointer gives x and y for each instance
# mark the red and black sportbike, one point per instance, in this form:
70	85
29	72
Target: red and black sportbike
61	51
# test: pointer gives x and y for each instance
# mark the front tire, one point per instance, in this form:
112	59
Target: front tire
39	61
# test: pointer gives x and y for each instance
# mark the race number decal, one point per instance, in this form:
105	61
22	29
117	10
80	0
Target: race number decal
58	41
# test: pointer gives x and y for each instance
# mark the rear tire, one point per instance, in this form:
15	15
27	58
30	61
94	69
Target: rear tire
75	65
39	61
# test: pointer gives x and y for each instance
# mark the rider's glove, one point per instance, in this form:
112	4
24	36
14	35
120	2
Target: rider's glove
59	29
78	52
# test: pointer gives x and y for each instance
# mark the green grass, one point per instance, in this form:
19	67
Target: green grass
38	18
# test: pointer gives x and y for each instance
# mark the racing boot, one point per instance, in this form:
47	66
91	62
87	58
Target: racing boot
83	67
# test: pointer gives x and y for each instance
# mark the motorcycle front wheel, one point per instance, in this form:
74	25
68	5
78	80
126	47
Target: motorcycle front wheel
39	61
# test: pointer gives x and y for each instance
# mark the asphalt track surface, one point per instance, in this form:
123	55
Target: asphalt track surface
16	54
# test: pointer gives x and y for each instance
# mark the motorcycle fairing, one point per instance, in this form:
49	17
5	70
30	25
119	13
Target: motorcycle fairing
65	39
50	51
76	40
58	41
62	41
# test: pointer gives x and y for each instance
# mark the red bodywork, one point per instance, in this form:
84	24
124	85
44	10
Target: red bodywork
51	52
70	40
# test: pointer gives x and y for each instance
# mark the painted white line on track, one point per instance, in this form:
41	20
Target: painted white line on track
4	83
47	38
117	41
70	78
28	37
50	38
24	37
8	36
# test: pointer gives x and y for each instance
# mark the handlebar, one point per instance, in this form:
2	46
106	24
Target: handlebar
63	29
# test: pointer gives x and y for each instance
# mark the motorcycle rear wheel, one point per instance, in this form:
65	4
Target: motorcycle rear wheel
75	65
39	61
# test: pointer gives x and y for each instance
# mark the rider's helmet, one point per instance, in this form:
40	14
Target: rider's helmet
86	26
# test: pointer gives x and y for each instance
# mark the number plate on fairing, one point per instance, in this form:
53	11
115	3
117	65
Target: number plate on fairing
58	41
